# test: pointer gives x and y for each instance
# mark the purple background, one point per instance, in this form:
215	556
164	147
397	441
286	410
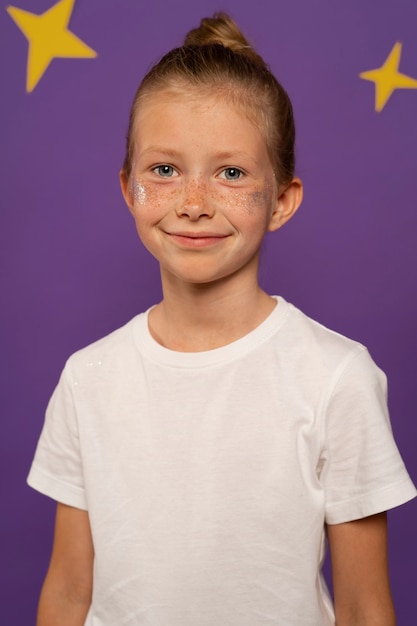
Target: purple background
72	268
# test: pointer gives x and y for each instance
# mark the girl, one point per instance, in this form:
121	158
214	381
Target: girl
201	454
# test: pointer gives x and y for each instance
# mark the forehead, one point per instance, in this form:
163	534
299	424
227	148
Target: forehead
205	112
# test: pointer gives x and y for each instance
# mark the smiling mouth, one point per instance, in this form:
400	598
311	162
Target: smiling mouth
197	240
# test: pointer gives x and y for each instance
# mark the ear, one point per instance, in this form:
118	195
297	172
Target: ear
126	189
287	203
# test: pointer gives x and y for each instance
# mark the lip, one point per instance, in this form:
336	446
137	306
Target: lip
201	239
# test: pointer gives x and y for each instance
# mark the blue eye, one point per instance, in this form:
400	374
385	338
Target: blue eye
166	171
232	173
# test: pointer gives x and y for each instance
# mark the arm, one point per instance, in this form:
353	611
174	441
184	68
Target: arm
359	558
66	592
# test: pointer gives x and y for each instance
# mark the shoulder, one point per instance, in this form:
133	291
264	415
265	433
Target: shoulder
331	366
320	344
118	346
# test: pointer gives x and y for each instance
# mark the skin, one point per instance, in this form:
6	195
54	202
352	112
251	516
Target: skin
221	183
359	558
205	222
67	590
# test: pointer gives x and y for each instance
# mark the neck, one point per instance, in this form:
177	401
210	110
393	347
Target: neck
194	318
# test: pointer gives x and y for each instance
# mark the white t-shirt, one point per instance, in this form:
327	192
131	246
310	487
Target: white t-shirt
208	476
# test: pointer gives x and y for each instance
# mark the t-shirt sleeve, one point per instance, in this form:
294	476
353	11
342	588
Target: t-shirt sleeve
56	470
363	473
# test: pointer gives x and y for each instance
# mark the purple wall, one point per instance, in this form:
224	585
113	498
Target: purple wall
72	268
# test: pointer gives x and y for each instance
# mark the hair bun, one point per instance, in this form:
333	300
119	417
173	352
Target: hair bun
217	58
221	29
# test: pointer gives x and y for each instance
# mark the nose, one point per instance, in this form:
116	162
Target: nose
195	202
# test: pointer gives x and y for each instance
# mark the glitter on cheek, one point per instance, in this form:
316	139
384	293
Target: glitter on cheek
258	199
249	202
139	192
261	199
149	195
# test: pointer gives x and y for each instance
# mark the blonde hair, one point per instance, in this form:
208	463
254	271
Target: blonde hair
218	58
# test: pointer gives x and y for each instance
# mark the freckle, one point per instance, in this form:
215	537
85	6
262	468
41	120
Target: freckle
252	201
248	202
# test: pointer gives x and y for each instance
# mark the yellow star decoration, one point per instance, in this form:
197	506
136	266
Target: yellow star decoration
48	37
387	78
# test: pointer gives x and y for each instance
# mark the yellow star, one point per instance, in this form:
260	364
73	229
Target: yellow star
387	78
48	37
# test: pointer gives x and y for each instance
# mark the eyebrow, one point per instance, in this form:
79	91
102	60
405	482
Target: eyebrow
161	150
225	155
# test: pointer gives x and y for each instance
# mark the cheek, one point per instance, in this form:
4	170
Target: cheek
139	193
147	196
252	203
144	195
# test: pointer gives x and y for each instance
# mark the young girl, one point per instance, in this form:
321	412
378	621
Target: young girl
201	454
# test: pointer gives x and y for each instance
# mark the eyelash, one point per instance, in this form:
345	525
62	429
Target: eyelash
172	171
157	169
232	169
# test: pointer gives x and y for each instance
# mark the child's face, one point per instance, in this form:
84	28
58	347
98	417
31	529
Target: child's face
202	189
